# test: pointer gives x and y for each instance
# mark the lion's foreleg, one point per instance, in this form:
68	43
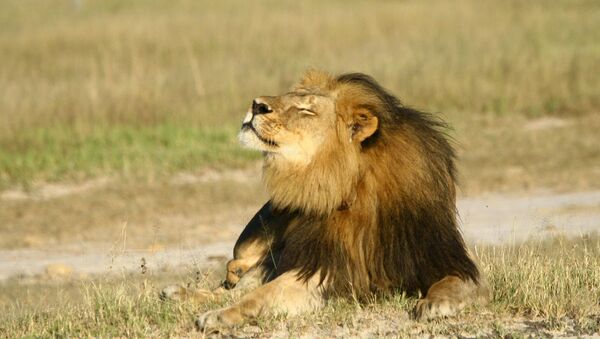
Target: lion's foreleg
448	296
189	293
285	294
254	246
251	280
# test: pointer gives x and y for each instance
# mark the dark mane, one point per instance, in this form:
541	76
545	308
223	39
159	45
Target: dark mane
401	231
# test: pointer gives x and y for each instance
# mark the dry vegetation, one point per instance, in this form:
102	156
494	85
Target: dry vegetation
158	213
541	288
143	88
134	92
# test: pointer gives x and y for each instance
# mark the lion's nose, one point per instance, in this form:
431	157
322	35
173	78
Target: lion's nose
260	108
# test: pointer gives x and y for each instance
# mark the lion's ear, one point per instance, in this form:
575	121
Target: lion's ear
364	125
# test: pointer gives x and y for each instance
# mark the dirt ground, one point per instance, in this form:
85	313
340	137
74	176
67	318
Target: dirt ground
195	220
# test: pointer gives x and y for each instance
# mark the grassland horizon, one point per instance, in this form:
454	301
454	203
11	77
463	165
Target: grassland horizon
93	88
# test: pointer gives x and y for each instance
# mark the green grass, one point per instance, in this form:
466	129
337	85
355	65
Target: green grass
61	152
80	83
552	285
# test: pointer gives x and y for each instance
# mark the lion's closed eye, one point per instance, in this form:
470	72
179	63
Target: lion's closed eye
306	111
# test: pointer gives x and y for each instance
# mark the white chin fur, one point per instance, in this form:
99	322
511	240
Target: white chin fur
249	140
248	117
293	153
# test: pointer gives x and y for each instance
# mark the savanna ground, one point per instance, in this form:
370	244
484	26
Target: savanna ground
118	133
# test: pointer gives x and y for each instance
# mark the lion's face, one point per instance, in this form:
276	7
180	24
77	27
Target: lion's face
312	139
318	112
294	125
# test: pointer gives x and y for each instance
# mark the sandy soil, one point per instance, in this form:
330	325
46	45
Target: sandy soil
486	219
504	219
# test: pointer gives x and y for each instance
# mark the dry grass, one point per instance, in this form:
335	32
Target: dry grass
146	87
540	288
177	211
553	278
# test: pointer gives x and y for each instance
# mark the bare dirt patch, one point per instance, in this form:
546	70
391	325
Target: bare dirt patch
545	123
510	218
50	191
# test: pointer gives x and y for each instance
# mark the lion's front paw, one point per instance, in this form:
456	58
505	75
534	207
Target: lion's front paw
236	269
437	308
181	293
219	319
173	292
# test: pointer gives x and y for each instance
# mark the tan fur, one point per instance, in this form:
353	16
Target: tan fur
448	296
250	255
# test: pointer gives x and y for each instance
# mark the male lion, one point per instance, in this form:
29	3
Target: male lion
362	202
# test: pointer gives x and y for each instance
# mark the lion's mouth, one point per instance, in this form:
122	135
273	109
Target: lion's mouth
249	126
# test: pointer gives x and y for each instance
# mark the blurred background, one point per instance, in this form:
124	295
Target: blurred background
118	119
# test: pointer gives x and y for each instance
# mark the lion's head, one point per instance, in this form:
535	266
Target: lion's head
312	138
319	138
296	126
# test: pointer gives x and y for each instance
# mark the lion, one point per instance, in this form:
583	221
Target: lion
362	203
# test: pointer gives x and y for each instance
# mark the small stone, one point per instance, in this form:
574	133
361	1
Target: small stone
252	329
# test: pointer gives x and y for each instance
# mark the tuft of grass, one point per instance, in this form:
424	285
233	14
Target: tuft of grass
104	312
539	288
548	278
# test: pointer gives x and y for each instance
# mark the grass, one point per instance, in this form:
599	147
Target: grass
62	153
553	278
109	310
142	88
539	287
